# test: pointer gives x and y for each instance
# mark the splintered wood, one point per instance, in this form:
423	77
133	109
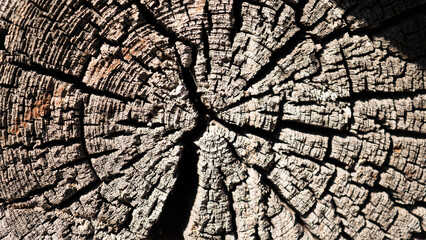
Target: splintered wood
305	119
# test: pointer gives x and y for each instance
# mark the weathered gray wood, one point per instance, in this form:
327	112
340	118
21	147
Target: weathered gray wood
306	119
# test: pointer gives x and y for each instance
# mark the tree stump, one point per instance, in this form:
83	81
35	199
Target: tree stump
220	119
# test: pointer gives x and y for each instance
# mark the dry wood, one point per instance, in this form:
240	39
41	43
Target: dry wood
212	119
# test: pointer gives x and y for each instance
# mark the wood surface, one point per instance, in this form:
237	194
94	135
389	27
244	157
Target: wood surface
212	119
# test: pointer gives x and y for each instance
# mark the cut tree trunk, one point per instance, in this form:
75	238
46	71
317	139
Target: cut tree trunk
212	119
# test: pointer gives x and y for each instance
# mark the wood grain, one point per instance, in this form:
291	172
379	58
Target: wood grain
219	119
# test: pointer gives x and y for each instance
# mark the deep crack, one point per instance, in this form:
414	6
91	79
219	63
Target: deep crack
177	208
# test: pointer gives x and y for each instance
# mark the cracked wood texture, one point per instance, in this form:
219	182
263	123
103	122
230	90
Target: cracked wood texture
212	119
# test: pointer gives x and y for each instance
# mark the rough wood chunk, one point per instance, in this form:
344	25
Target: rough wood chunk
405	114
370	148
328	114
